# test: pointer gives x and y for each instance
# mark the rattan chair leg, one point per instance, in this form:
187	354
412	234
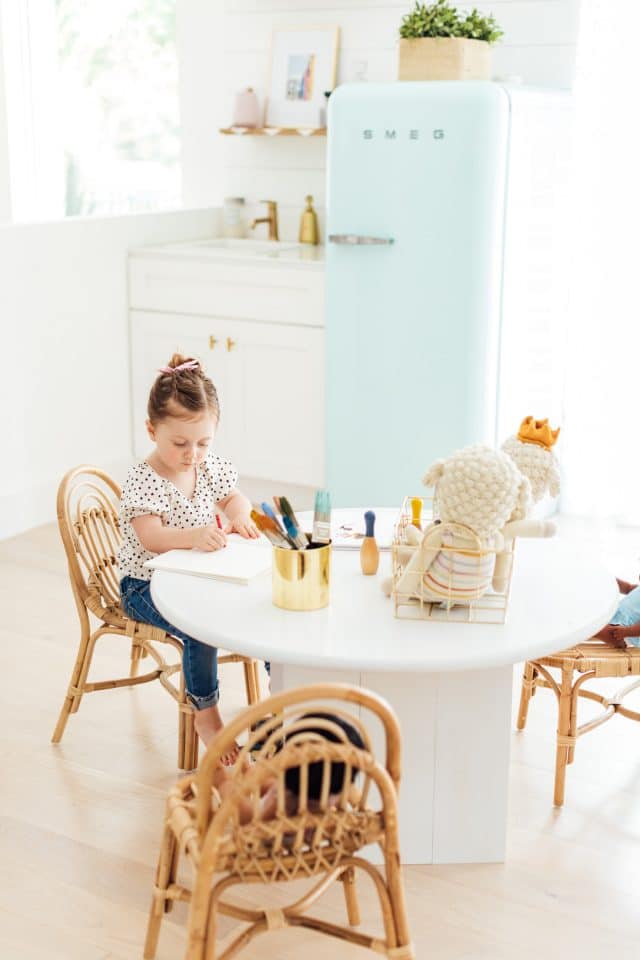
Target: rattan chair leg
166	873
197	929
65	713
187	737
210	946
137	653
182	720
351	897
398	906
526	691
80	669
564	730
70	698
251	681
256	666
160	904
173	875
190	744
153	931
86	665
573	724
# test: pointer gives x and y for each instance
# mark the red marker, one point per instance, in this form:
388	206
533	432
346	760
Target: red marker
218	521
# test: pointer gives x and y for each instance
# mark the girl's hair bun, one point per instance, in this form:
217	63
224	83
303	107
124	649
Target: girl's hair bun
178	364
182	388
177	360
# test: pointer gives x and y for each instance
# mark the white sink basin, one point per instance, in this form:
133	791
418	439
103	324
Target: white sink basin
239	247
228	248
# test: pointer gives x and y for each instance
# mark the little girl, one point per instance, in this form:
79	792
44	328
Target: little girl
169	502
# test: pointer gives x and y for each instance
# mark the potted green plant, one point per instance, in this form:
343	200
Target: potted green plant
438	42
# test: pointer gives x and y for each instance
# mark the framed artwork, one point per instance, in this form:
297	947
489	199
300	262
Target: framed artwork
303	67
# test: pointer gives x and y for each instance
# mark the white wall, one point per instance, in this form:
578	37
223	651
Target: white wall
64	364
5	193
539	46
200	42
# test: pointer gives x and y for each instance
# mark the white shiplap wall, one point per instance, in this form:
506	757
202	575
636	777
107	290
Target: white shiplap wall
539	46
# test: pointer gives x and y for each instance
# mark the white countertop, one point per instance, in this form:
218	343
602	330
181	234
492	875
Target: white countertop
246	251
559	596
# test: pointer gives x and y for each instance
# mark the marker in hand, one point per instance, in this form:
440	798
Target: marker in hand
219	523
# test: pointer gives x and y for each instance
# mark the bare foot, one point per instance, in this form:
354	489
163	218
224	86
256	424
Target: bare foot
624	586
209	724
611	636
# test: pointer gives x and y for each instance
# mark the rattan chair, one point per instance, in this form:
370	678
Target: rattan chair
87	509
591	660
319	842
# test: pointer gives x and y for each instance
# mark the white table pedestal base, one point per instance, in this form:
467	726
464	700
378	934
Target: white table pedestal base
455	756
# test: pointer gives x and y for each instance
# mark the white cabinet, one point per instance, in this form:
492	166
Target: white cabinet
269	377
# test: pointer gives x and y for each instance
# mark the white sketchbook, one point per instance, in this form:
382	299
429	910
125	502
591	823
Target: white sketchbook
239	561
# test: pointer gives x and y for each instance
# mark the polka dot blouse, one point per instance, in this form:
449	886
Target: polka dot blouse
146	492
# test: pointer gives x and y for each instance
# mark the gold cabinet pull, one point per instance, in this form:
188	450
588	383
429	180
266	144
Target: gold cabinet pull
230	344
212	341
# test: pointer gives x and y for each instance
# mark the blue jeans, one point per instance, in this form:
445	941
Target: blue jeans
199	661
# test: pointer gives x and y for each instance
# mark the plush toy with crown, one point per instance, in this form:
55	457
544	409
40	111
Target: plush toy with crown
481	501
530	450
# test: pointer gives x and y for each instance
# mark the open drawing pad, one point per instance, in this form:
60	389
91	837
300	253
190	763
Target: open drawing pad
239	561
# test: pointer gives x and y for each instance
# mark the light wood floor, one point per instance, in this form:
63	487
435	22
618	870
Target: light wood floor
80	822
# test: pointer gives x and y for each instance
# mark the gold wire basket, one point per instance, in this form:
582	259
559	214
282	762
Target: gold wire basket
457	585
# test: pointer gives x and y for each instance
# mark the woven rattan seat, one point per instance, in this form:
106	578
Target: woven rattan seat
225	840
87	509
592	660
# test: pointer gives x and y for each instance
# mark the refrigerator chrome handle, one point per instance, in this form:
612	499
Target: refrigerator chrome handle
352	239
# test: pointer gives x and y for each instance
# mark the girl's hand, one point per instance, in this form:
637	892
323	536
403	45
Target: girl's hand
613	636
209	538
245	527
618	635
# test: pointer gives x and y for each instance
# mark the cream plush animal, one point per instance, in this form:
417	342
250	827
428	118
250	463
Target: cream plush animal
482	501
530	450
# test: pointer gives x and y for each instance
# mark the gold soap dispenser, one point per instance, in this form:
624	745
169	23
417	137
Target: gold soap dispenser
309	223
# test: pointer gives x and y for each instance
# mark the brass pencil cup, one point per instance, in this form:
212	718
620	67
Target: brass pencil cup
300	578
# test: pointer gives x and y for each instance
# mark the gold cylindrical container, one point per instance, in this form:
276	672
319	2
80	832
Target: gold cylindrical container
300	578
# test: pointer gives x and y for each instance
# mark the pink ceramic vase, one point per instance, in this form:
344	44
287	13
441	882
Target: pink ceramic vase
245	109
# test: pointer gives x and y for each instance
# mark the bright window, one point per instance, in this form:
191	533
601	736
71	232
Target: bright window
92	105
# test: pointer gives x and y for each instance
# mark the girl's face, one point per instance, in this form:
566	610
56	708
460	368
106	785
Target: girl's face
182	443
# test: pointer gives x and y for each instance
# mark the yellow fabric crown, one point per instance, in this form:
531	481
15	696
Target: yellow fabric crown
538	432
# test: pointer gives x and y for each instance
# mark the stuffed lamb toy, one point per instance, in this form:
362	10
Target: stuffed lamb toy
530	450
482	501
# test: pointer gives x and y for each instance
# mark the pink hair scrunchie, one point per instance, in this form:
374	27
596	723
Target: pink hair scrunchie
187	365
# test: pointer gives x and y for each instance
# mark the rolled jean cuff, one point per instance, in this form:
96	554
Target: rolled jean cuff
201	703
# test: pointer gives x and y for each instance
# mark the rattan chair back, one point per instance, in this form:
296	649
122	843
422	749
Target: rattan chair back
87	508
289	735
308	834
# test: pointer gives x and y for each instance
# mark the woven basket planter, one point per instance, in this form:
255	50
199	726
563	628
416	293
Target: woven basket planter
444	58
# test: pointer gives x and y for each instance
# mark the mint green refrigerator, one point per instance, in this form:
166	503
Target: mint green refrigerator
417	180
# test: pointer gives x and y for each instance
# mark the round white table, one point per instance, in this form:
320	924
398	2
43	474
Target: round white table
450	683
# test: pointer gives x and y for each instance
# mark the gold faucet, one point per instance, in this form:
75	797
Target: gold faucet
271	219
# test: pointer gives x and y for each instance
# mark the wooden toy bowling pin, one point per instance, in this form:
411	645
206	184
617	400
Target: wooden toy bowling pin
416	512
369	553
